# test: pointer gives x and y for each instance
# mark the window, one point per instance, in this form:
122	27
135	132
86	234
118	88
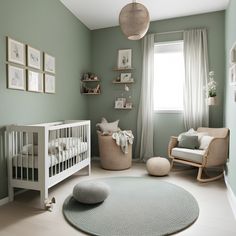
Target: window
168	76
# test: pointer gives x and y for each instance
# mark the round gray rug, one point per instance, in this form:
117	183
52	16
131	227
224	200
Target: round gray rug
135	206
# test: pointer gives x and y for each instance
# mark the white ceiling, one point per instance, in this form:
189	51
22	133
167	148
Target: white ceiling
96	14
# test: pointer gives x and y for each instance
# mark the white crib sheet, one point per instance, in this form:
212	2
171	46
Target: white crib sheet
53	159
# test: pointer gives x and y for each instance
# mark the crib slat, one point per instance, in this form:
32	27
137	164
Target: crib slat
27	155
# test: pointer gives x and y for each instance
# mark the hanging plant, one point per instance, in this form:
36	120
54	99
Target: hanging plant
211	86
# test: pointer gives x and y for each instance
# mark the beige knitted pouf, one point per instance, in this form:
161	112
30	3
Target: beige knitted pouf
158	166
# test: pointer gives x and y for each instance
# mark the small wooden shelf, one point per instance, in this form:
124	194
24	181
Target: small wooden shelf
123	69
91	93
124	108
118	82
90	80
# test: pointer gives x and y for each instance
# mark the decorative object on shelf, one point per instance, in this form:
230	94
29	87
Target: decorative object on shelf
119	104
211	89
15	51
134	20
125	77
49	63
87	77
91	91
34	81
33	58
15	77
233	54
124	59
232	74
50	83
129	105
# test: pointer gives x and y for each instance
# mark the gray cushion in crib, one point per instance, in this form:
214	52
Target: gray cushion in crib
91	192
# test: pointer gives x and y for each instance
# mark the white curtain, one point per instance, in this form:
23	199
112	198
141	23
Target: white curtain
196	73
144	146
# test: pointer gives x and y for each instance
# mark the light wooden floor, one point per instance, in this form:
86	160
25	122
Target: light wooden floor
22	218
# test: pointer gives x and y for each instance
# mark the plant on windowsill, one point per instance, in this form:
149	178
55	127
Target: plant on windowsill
211	89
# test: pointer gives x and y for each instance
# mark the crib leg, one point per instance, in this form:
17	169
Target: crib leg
43	198
89	169
11	194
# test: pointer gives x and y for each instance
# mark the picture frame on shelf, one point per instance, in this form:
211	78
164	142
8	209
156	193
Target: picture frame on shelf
15	51
49	63
34	81
15	77
124	60
49	83
233	54
232	75
119	104
125	77
129	105
33	58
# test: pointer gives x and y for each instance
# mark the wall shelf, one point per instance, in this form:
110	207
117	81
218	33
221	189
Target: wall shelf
118	82
90	80
124	108
122	69
91	93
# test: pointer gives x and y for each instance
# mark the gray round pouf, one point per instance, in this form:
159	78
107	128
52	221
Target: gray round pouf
91	192
158	166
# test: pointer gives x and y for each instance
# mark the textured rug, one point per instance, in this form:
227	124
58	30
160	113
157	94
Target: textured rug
136	206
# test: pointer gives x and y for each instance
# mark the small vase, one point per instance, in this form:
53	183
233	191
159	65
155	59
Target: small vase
211	101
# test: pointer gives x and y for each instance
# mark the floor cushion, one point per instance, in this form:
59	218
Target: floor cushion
91	192
158	166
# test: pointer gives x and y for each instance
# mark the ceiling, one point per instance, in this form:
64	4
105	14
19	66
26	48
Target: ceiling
96	14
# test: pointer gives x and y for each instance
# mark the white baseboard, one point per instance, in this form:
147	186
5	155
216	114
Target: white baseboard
4	201
231	196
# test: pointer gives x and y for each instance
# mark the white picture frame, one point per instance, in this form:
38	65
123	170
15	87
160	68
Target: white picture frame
34	81
124	60
128	105
49	83
15	51
119	104
49	63
233	54
125	77
33	58
232	75
15	77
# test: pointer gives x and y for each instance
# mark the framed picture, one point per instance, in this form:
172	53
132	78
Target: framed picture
34	81
125	77
119	104
232	75
15	51
129	105
49	63
33	57
233	54
124	58
15	77
50	83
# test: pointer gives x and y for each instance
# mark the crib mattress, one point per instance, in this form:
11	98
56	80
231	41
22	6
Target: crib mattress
29	161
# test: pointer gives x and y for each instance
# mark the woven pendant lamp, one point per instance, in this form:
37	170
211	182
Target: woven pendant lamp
134	20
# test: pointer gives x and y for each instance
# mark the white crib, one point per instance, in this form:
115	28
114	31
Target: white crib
42	155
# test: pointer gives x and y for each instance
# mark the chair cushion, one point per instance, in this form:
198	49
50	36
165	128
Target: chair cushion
187	141
205	141
195	155
91	192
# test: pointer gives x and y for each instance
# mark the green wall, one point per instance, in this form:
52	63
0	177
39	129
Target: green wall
106	42
230	104
50	27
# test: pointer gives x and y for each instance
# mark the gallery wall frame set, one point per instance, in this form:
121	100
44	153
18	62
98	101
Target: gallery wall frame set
24	61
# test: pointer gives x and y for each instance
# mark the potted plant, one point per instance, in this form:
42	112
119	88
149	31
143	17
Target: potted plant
211	89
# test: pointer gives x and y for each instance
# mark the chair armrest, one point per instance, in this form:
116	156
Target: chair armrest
217	152
172	143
